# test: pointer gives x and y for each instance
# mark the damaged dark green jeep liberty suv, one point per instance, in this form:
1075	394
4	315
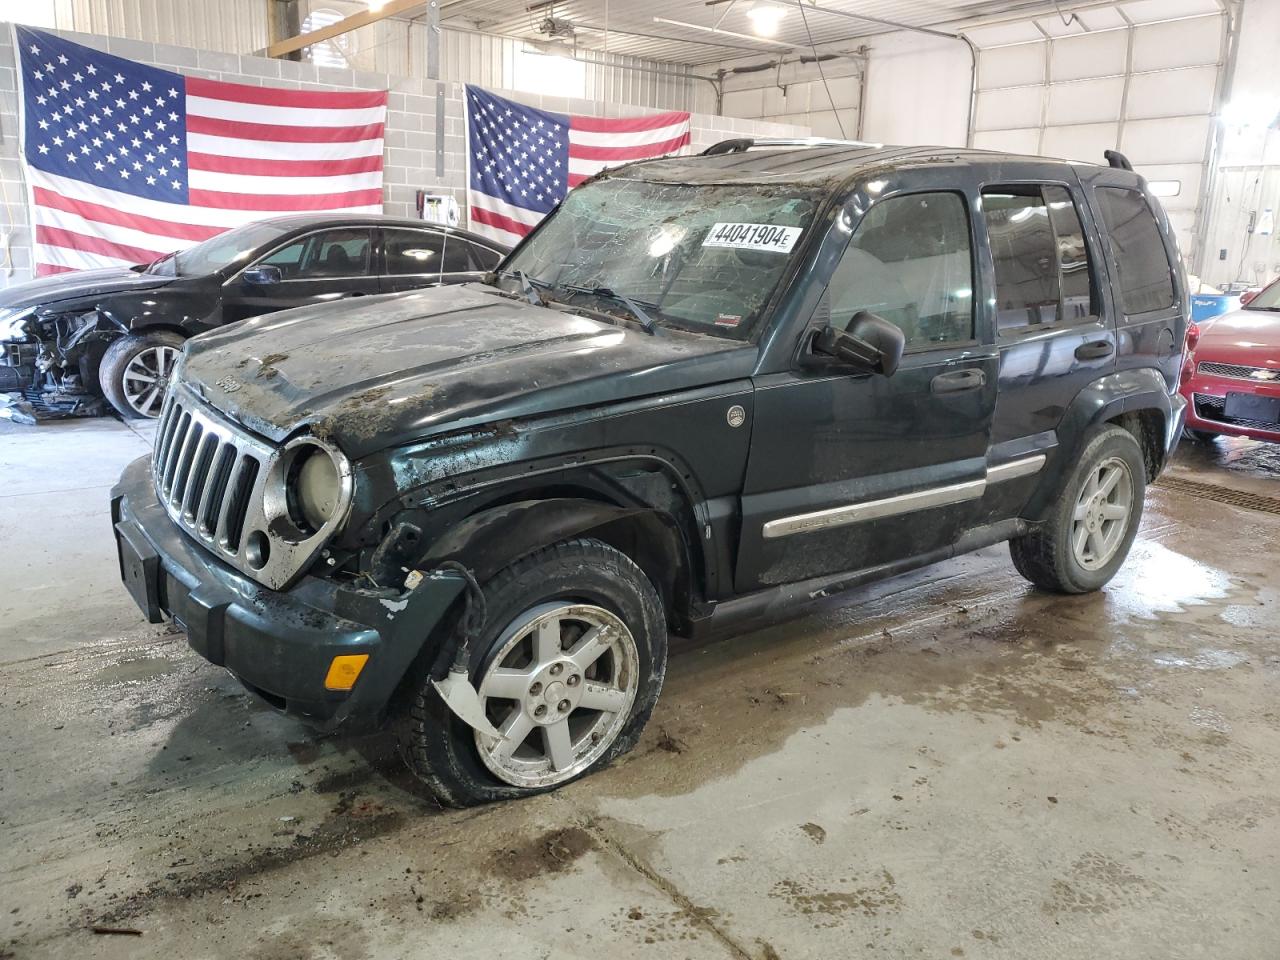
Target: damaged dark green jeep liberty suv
702	391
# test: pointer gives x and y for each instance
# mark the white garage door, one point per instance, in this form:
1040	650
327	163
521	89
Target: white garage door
1141	77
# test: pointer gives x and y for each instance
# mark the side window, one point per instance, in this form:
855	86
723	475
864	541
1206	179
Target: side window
1022	248
910	261
288	258
411	251
419	251
1142	266
484	258
333	253
1075	275
457	255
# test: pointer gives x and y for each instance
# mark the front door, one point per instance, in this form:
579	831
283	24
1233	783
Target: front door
849	470
315	268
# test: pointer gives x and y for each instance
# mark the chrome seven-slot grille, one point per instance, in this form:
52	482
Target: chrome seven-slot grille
1236	371
205	472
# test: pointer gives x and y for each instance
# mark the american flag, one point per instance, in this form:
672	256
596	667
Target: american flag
126	162
522	161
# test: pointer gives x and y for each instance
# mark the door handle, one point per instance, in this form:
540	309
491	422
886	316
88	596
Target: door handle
356	293
957	381
1095	350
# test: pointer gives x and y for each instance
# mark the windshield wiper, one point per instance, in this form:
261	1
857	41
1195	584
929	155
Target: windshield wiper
646	321
528	286
157	261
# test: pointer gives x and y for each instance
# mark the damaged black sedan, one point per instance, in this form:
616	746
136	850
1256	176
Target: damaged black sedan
701	392
70	342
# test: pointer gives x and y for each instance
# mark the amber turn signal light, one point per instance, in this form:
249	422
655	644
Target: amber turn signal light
344	671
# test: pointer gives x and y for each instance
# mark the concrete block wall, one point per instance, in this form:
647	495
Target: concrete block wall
409	161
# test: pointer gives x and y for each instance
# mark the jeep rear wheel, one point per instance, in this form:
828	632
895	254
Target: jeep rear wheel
568	668
1082	544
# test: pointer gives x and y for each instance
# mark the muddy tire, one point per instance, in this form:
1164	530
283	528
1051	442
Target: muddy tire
569	664
1087	537
135	372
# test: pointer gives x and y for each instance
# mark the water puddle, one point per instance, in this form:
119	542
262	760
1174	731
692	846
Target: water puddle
135	670
1156	580
1201	660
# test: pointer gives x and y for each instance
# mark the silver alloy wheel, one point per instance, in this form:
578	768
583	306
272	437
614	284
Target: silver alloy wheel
147	377
1102	514
560	688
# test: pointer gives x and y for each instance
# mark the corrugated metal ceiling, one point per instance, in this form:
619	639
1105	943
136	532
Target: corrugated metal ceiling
636	29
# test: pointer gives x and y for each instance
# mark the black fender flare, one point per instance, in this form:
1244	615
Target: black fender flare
1108	398
493	538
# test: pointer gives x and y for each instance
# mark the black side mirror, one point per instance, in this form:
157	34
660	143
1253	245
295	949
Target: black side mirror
262	276
871	344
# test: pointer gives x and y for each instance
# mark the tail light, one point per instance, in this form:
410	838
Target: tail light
1188	360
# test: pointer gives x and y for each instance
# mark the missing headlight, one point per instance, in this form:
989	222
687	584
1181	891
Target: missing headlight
307	490
315	489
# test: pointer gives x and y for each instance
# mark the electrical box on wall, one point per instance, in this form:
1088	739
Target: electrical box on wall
438	208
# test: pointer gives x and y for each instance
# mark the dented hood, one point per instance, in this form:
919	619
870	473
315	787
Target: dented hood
49	291
386	370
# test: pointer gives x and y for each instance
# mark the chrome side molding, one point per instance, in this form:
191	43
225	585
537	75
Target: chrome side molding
903	503
1013	469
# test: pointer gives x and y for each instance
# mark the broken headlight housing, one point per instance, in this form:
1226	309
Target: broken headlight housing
315	487
13	323
310	490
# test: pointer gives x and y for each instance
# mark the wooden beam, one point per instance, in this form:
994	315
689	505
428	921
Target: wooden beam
391	8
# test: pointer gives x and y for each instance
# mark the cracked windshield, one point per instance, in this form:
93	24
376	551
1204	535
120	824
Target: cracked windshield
701	258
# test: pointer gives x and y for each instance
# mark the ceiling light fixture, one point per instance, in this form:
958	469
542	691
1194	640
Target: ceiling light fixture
765	18
724	33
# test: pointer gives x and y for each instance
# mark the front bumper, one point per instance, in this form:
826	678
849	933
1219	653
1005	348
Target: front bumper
1206	407
279	644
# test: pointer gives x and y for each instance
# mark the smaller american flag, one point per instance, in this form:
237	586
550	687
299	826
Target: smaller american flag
522	161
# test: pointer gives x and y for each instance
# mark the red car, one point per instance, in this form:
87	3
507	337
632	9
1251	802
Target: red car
1231	375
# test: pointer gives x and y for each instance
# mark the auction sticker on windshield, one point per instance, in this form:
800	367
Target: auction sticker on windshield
752	236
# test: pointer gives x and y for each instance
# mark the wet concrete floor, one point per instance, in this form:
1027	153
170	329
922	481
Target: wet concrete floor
949	764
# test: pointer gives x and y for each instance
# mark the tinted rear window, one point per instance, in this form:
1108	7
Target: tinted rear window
485	259
1144	278
1040	256
1025	255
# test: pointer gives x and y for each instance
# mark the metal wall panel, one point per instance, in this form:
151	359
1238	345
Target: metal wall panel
394	46
1092	55
1148	90
227	26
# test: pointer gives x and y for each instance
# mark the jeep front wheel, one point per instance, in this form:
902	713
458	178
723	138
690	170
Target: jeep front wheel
568	668
1082	544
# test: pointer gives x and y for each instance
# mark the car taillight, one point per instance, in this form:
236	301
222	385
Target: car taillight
1193	337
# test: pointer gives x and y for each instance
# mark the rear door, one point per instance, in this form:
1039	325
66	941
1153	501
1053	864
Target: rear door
1053	328
413	258
315	268
1147	280
847	470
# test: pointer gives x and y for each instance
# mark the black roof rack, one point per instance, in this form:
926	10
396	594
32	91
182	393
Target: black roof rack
743	144
1118	160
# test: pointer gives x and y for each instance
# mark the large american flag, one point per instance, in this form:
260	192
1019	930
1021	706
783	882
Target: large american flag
522	161
126	162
